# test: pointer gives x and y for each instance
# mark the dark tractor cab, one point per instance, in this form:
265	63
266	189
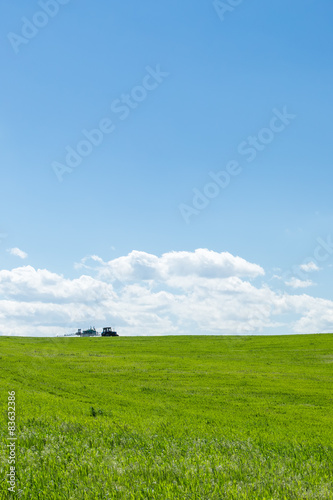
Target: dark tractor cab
108	332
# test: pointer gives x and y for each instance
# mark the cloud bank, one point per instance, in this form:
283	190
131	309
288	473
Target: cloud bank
200	292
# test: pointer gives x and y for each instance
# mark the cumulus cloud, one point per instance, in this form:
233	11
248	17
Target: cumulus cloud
41	284
18	253
202	263
297	283
201	292
309	267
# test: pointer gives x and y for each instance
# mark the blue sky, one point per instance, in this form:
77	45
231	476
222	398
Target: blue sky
200	83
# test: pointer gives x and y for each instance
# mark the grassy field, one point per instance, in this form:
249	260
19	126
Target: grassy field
202	418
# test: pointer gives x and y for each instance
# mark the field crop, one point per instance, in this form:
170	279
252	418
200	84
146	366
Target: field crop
150	418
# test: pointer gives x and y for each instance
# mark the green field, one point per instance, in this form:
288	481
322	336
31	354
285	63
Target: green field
197	417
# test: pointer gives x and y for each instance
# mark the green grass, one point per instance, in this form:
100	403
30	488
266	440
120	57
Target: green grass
202	418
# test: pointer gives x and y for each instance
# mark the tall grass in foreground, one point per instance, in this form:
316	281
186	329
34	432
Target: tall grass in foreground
170	417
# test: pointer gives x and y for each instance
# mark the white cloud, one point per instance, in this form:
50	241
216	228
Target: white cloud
41	284
297	283
201	292
18	253
309	267
202	263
